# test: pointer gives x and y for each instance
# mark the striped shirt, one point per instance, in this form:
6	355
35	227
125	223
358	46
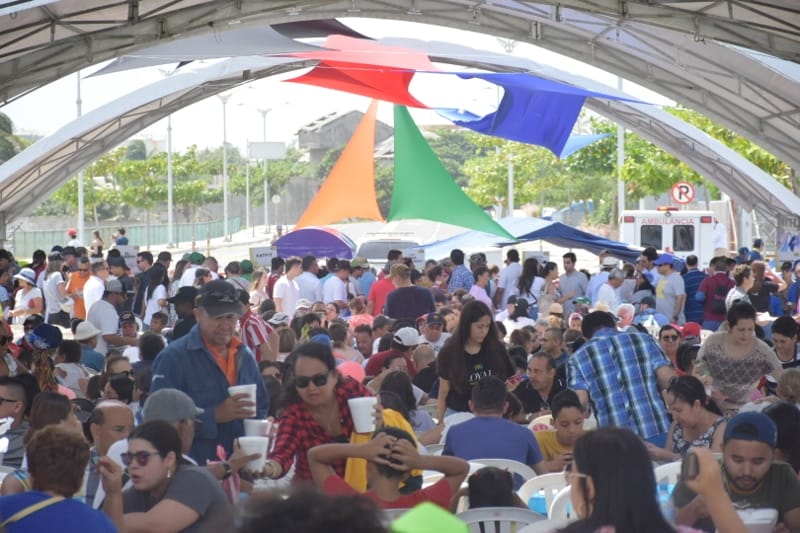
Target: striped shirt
255	332
618	370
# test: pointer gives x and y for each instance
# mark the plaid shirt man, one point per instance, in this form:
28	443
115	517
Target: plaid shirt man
461	278
618	370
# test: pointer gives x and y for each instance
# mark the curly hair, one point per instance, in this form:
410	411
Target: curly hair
57	459
309	511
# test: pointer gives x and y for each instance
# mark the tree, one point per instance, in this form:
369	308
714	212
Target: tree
136	150
10	144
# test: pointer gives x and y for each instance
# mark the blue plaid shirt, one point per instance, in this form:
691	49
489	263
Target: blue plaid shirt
461	278
618	370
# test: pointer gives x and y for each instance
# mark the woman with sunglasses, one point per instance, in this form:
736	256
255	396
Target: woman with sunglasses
613	487
669	338
316	410
474	351
696	420
167	494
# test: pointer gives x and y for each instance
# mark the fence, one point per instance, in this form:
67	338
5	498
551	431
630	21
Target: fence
23	243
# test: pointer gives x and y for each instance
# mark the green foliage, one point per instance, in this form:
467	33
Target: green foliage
10	144
136	150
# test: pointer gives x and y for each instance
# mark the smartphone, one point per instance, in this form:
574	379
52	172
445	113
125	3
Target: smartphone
690	467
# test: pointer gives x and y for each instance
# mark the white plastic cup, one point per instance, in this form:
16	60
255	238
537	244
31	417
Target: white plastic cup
251	445
256	428
363	412
250	390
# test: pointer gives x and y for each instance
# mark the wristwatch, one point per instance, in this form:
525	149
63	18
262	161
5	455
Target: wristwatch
226	466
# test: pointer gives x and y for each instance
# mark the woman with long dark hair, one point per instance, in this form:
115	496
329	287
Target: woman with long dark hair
156	292
696	420
614	487
315	410
473	352
530	283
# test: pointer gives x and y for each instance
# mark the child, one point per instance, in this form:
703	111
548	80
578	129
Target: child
490	487
568	417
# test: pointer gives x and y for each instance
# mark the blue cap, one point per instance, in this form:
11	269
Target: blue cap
756	427
665	259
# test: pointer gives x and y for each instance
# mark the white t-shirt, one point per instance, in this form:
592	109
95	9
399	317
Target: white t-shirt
288	291
509	281
159	293
52	298
608	295
23	302
93	291
187	278
334	289
104	317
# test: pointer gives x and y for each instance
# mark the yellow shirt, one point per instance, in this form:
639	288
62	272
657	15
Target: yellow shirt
549	445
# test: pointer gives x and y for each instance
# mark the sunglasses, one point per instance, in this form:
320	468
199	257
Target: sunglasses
669	338
142	458
318	379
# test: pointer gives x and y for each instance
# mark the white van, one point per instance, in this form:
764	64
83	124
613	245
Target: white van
682	233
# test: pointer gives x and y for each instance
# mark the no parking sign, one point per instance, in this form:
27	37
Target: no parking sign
683	192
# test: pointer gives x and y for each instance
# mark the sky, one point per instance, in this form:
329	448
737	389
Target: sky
293	105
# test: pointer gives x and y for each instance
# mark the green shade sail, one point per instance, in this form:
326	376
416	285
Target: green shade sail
423	188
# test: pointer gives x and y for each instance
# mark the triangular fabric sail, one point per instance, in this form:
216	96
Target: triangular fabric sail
424	189
361	66
349	189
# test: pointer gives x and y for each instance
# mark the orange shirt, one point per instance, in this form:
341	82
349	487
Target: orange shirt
75	284
226	364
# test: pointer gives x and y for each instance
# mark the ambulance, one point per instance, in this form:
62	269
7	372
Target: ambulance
682	233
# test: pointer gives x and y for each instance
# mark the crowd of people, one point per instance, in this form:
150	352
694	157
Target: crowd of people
134	380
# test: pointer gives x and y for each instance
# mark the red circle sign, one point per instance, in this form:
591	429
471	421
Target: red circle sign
683	192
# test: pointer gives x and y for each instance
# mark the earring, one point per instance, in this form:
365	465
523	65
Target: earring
169	474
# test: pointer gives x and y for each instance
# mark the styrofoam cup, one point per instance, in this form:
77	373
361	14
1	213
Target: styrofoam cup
251	445
250	390
362	411
256	428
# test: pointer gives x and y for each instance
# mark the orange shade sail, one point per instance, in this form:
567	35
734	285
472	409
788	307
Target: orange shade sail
349	190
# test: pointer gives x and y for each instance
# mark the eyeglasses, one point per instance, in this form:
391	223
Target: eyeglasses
669	338
570	474
142	458
9	400
318	379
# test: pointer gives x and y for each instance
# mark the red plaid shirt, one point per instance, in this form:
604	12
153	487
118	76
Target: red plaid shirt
298	432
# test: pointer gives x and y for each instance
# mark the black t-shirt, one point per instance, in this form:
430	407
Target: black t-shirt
182	326
478	366
409	303
532	401
760	299
425	378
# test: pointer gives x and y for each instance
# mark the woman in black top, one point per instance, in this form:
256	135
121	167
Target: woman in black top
765	284
473	352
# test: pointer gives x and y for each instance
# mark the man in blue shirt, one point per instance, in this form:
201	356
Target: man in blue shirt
208	360
692	278
622	374
461	276
489	435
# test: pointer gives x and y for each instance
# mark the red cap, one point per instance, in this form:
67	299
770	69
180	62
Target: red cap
690	329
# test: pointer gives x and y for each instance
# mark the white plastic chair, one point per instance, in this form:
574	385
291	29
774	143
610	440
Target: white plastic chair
668	473
545	526
560	509
539	422
430	408
515	467
551	484
498	519
390	515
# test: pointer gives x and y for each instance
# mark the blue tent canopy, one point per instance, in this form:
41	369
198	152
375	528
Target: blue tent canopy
533	229
319	242
533	110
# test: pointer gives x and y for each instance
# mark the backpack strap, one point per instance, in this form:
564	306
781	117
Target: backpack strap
27	511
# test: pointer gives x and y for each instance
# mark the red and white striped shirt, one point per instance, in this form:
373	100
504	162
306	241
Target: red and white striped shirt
254	331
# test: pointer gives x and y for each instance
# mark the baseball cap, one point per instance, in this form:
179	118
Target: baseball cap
278	319
609	262
433	319
664	259
170	405
44	337
303	303
126	316
72	233
382	321
196	258
85	331
246	266
218	297
691	329
406	337
358	262
751	426
184	294
114	285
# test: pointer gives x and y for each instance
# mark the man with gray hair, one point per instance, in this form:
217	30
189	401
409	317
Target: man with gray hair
607	293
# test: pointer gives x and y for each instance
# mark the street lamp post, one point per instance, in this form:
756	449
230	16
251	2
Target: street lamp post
81	203
264	113
224	99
